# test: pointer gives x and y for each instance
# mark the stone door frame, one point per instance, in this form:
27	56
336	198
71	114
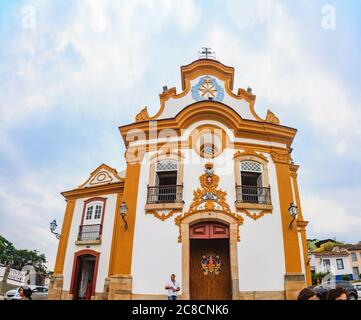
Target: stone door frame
232	223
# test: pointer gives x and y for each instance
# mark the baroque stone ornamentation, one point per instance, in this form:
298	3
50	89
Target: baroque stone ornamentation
207	88
249	152
281	157
208	198
163	216
142	115
271	118
255	216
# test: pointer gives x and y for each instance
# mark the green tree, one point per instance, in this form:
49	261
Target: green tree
7	251
17	259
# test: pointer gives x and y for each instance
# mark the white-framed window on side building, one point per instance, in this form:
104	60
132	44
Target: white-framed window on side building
326	265
339	263
353	256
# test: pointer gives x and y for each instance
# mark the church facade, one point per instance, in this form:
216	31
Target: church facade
209	194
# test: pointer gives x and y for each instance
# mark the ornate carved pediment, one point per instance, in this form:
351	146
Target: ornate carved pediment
101	176
208	198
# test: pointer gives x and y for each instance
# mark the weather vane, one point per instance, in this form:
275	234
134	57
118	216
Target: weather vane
206	53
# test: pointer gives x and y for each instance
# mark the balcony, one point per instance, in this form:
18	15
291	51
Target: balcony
252	197
89	234
165	197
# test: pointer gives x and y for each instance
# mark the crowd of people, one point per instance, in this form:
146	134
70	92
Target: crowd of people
333	294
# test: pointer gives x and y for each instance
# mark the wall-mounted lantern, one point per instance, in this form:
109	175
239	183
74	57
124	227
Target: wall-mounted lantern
123	213
293	211
53	226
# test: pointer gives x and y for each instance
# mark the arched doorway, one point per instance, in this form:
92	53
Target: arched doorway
209	263
85	269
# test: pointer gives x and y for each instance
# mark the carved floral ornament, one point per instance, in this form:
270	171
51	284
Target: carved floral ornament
163	216
208	198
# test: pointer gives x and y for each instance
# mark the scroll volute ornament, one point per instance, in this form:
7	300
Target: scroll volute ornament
142	115
271	118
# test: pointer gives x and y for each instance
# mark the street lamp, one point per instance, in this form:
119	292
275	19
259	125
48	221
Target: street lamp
53	226
123	213
293	211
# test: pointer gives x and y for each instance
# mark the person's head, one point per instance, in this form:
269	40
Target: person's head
172	277
21	291
337	294
89	281
307	294
25	292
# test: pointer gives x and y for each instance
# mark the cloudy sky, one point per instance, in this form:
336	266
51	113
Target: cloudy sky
71	72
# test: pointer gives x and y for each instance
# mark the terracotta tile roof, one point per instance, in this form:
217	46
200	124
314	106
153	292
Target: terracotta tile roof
331	253
352	246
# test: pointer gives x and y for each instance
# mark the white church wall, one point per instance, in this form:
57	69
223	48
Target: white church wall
104	248
156	251
260	251
261	260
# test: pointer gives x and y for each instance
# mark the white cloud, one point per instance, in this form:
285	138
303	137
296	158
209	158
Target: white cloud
103	49
284	72
330	217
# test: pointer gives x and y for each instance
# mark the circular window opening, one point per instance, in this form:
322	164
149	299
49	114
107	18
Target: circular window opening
208	150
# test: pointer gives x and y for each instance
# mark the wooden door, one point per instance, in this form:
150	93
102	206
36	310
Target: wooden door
211	286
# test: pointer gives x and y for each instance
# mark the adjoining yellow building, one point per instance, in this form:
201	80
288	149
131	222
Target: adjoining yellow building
206	195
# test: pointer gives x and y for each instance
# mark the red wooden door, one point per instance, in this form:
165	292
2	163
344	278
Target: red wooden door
208	241
209	230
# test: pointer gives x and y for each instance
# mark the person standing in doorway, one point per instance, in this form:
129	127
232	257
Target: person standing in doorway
173	287
88	291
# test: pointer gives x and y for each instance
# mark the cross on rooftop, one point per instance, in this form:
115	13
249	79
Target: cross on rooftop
206	53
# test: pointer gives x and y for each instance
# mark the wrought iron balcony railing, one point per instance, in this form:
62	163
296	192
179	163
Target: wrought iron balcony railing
253	194
165	194
90	232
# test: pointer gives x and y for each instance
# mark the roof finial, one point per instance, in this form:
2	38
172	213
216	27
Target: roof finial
206	53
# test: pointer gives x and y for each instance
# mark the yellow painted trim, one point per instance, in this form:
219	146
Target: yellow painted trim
122	260
116	226
290	237
94	191
63	242
213	110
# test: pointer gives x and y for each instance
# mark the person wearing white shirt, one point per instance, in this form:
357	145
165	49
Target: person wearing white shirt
173	287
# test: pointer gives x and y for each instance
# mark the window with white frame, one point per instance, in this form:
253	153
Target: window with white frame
339	263
326	265
353	256
93	213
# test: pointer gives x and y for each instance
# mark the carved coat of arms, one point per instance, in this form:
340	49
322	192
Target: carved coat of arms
211	265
